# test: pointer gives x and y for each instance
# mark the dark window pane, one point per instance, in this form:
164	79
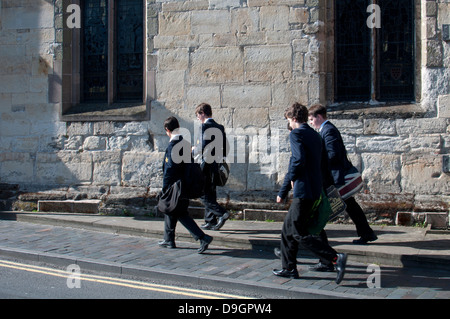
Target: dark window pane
353	65
95	50
396	52
130	50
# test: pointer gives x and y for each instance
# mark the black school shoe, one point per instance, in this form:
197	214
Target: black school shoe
204	243
341	263
365	240
208	226
321	267
286	273
167	244
221	221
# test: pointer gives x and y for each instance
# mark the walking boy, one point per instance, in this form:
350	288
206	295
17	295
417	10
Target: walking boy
339	165
304	176
212	149
173	168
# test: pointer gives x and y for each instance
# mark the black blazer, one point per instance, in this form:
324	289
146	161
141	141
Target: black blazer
173	165
304	165
337	154
210	137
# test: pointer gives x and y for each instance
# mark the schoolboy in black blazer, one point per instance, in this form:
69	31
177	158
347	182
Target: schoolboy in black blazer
215	214
305	177
339	165
173	168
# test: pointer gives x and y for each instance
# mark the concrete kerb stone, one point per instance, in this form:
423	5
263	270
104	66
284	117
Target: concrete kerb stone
99	265
18	253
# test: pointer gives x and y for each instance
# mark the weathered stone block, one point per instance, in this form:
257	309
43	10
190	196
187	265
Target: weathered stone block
224	4
199	94
286	94
177	59
253	117
274	18
422	174
381	172
246	96
244	21
298	15
93	143
437	220
444	106
79	128
170	85
140	169
63	168
16	167
107	167
264	215
88	206
385	144
216	65
210	21
238	176
434	220
379	127
29	16
14	83
268	63
174	23
421	126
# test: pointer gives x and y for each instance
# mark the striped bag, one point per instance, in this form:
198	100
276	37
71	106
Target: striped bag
353	183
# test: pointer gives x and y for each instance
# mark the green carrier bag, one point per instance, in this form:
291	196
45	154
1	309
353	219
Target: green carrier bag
320	213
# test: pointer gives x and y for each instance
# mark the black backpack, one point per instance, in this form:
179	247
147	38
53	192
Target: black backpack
193	182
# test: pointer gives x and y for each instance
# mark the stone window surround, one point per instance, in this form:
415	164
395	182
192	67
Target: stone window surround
68	70
64	71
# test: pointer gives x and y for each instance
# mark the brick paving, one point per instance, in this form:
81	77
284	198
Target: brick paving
237	268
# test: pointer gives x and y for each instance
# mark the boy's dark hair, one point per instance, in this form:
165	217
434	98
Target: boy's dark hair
204	108
297	111
171	123
318	109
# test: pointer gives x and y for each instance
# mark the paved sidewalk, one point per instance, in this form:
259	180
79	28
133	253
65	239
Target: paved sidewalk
240	256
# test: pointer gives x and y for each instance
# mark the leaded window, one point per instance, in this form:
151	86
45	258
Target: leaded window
112	51
374	64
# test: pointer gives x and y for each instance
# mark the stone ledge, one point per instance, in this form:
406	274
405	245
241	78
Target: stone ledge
88	206
435	220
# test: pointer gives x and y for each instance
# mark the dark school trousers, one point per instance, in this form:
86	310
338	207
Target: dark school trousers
358	217
213	210
294	232
181	214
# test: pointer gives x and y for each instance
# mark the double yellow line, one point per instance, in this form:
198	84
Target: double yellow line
188	292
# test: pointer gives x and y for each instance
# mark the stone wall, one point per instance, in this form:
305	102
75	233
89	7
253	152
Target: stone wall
250	60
